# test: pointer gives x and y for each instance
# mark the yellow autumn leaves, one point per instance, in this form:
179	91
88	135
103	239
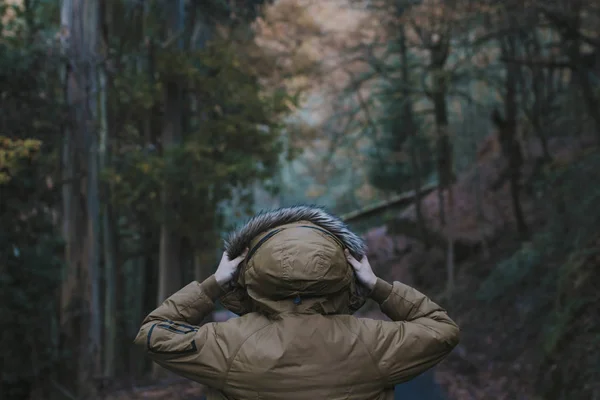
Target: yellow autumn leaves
13	152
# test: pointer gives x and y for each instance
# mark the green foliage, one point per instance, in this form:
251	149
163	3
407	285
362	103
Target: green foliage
30	265
12	154
559	269
570	194
29	77
224	9
511	273
391	165
31	119
231	141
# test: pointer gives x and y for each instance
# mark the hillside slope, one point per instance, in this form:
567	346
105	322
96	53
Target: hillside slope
528	310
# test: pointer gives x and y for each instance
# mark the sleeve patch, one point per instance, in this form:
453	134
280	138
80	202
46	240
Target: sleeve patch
169	338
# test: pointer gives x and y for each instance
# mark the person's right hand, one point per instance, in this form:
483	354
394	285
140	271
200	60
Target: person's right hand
228	267
363	270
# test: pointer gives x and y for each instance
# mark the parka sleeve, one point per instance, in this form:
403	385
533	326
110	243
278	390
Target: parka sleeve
171	337
419	336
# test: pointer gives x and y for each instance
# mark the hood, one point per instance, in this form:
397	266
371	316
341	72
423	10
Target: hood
295	263
238	240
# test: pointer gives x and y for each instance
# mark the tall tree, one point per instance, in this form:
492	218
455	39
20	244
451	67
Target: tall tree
170	242
81	209
170	256
415	143
108	230
507	124
436	39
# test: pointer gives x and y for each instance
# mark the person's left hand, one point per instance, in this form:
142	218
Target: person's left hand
363	270
227	268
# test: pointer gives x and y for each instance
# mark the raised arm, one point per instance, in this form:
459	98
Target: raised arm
172	338
420	335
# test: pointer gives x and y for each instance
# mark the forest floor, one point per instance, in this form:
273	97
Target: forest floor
473	371
172	389
424	387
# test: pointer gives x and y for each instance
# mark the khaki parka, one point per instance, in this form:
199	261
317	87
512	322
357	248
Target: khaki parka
295	337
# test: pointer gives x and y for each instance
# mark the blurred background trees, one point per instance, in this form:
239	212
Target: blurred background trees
459	136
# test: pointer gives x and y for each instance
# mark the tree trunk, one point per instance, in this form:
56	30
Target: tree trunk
90	24
479	195
445	165
415	165
411	127
71	290
480	213
110	304
169	266
68	155
508	132
444	152
148	290
169	260
581	71
439	54
450	244
140	285
81	288
541	98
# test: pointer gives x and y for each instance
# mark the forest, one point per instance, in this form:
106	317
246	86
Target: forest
459	137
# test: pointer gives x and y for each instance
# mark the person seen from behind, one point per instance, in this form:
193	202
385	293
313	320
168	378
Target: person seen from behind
295	276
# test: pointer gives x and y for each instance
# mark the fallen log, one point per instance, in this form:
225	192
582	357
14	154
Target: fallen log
400	200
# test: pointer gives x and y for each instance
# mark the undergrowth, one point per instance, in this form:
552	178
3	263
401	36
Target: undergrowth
560	267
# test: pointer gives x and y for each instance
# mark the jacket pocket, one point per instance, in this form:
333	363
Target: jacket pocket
171	338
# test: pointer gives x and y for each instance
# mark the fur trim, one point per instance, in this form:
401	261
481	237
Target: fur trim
265	220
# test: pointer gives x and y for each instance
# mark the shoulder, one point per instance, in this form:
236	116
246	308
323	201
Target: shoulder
238	329
363	328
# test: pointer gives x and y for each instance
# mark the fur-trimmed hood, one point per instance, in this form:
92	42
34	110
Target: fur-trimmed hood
296	263
266	220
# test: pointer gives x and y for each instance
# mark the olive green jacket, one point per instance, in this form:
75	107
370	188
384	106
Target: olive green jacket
300	355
